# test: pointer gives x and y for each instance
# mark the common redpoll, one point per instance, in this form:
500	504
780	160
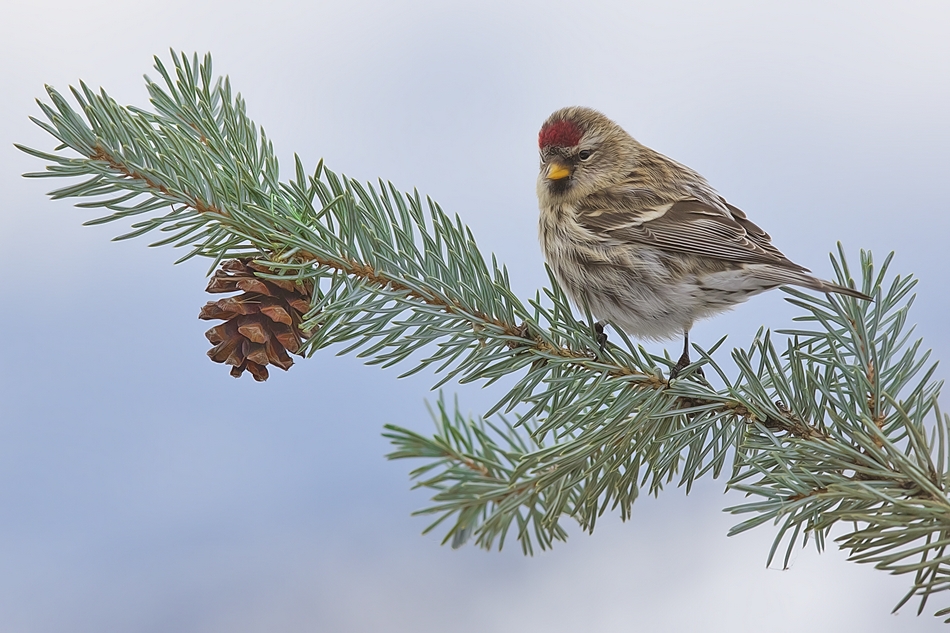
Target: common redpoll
644	242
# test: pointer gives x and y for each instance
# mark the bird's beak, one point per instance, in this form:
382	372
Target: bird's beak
558	171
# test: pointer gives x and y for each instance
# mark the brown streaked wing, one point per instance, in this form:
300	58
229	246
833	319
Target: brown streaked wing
688	226
757	235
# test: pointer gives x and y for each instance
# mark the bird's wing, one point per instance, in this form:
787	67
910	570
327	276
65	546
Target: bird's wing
685	226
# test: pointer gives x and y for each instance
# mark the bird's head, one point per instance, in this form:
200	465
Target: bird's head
582	152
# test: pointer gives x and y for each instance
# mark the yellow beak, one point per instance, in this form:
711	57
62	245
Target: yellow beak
557	171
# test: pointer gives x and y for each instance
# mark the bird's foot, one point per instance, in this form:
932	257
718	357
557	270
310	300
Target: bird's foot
682	364
601	336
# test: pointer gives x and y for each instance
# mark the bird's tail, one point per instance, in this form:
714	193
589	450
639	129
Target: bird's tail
827	286
802	278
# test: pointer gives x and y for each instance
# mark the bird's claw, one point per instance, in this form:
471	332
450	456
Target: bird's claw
601	337
682	364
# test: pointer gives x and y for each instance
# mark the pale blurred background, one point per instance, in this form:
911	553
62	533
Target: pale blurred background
144	490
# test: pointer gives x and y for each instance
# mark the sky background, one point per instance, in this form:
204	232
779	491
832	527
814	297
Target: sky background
144	490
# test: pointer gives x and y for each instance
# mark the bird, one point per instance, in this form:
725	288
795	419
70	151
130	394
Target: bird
644	242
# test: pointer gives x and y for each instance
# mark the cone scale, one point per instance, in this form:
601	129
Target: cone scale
261	325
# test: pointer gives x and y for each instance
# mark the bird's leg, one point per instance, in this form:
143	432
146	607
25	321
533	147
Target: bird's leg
684	359
601	335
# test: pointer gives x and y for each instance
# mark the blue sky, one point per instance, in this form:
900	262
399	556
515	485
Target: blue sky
143	489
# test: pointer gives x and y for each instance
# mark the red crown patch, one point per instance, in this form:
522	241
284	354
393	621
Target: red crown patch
559	134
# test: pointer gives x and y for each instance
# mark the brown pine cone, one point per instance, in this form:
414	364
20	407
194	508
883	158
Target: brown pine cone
261	325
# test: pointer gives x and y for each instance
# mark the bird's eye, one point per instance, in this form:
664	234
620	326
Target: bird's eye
585	154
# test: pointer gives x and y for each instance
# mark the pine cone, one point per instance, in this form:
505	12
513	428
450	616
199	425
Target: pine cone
261	325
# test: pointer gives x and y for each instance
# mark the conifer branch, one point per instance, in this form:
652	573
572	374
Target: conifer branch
832	429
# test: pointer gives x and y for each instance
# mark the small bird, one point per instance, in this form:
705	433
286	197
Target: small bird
643	242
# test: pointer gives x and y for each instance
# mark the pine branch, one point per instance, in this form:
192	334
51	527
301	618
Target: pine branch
831	429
